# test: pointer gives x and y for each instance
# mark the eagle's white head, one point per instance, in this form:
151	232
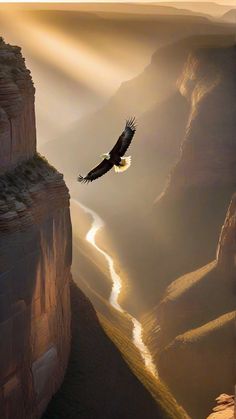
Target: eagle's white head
105	156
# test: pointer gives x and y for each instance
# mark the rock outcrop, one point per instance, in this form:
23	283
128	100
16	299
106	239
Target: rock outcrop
35	254
226	252
225	408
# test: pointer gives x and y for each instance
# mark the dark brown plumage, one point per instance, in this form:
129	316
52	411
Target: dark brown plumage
115	156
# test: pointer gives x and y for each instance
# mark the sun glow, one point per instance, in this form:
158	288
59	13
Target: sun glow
75	58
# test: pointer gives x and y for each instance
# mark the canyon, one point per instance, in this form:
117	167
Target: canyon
184	163
162	113
43	355
156	278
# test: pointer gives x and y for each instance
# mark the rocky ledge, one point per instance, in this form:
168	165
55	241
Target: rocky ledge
225	408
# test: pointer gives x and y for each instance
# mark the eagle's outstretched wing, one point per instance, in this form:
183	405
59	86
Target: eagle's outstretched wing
125	138
97	172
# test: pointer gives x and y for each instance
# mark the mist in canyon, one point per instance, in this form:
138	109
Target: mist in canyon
154	247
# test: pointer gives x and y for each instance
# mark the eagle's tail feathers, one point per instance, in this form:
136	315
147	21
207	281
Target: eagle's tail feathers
124	165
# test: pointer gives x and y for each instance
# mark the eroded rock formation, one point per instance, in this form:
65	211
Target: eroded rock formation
191	210
225	408
35	254
192	329
17	115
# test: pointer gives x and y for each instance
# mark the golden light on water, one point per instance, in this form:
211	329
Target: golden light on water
97	225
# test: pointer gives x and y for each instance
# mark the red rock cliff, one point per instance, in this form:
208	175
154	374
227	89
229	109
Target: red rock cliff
17	116
35	254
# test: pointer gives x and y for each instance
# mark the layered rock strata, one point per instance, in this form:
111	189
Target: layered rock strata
35	254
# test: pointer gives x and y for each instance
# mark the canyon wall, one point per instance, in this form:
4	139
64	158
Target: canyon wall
17	115
190	211
35	254
226	251
192	329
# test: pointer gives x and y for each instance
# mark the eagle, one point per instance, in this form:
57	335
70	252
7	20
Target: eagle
115	157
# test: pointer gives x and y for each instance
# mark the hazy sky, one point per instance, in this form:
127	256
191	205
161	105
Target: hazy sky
225	2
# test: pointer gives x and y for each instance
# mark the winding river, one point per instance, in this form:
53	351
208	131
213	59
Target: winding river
98	224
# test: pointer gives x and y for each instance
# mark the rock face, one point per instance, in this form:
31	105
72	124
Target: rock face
226	252
225	408
230	16
204	177
17	115
35	254
199	364
192	330
208	82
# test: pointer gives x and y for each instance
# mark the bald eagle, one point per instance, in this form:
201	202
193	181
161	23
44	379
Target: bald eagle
115	156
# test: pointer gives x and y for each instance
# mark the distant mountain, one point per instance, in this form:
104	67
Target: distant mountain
208	8
230	16
111	8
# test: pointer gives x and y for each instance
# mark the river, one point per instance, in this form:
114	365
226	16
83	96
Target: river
97	225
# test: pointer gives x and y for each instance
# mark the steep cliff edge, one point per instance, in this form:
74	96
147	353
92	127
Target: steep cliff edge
17	115
35	254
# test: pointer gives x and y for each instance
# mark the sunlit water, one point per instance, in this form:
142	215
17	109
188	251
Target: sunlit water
98	224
